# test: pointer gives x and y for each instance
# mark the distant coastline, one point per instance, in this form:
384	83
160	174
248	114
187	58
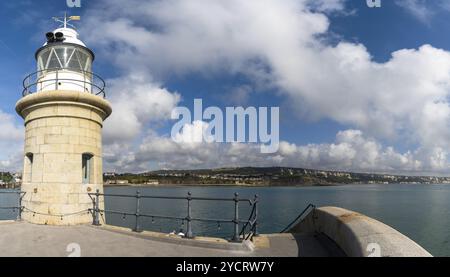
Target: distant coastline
218	185
246	177
261	177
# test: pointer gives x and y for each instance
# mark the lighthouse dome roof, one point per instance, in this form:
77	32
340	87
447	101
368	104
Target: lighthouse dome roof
70	36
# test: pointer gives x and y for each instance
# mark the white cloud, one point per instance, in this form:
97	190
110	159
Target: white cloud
327	5
424	10
351	151
418	8
240	95
191	134
137	102
279	43
11	143
9	130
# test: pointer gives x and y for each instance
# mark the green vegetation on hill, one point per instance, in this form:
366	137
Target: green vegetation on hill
6	177
268	176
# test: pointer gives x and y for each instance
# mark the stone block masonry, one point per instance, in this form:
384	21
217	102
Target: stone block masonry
61	129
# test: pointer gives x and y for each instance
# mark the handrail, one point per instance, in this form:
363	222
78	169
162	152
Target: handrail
301	216
94	81
252	221
175	197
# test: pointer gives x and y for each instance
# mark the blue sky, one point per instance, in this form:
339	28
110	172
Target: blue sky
165	49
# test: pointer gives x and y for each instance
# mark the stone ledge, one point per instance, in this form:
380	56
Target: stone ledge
63	96
4	222
203	242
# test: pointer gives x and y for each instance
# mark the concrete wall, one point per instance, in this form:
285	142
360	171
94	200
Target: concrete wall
358	235
61	126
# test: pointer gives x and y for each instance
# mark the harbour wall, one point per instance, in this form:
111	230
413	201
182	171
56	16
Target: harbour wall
358	235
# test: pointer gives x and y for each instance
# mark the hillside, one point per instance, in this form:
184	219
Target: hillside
267	176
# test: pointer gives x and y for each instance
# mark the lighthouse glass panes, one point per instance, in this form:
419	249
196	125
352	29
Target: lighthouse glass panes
68	57
64	67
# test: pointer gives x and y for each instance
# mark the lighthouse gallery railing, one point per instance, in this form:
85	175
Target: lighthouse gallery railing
90	82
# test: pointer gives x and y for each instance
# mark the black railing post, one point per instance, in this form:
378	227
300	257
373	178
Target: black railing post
137	227
255	228
236	237
97	208
189	233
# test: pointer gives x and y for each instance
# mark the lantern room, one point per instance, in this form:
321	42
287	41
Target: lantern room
64	63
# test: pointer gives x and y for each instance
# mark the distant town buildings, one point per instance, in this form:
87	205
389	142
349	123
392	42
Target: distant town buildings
10	180
246	176
117	182
277	176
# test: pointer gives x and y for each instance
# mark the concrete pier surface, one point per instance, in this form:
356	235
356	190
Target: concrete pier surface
21	239
323	232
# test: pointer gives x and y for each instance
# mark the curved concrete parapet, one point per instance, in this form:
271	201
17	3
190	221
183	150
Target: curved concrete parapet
358	235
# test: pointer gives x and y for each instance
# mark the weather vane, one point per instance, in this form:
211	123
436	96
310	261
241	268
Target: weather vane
65	20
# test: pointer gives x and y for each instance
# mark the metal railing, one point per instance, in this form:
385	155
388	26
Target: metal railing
248	231
90	82
19	206
300	217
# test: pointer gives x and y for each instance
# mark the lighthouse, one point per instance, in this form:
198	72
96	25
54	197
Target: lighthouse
63	106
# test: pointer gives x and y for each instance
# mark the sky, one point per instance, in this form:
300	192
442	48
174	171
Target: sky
359	89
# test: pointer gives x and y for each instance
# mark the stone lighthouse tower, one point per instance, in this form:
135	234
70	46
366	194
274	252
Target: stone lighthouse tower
64	107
